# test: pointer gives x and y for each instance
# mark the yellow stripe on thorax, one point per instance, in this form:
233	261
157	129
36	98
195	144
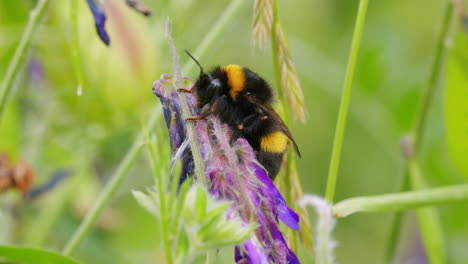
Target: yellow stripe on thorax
276	142
236	79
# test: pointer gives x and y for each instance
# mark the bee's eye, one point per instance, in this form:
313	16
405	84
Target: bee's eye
248	93
214	84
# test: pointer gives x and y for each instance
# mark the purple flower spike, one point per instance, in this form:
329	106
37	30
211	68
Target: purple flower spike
251	253
175	123
286	214
99	21
234	174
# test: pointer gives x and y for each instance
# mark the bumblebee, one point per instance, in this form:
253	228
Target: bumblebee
242	99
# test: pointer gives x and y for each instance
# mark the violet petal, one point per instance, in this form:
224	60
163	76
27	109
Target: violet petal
285	213
99	21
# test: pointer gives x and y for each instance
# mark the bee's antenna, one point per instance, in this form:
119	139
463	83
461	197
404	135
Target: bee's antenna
195	60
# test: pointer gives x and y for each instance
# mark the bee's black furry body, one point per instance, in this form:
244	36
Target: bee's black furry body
242	99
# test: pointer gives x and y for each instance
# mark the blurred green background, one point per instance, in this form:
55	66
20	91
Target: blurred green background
48	125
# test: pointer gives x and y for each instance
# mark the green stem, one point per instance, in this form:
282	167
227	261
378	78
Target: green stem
162	201
428	218
75	47
17	61
185	111
423	112
401	201
109	190
396	225
436	69
345	99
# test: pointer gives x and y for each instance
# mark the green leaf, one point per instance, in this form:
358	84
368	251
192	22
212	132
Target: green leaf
176	213
33	255
183	245
217	211
456	102
146	202
200	203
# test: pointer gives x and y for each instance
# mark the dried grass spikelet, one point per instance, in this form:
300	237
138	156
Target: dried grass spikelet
262	21
292	90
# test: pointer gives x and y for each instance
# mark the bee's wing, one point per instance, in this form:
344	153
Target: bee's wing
269	111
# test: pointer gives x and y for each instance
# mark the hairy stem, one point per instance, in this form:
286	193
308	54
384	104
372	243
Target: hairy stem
20	53
345	99
185	111
401	201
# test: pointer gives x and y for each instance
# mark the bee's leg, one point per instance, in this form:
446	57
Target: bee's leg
200	116
207	109
183	90
250	123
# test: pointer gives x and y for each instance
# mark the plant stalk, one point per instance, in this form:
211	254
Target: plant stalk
345	99
185	111
422	114
436	69
401	201
17	61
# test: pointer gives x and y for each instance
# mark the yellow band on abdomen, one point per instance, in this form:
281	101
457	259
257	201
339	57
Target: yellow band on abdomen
276	142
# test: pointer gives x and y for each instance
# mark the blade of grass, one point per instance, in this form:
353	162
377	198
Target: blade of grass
75	48
436	69
428	219
345	99
421	117
20	53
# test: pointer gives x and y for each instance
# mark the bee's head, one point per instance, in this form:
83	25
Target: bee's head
208	84
238	83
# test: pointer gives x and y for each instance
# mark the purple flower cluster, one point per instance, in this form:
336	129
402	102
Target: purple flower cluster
234	174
